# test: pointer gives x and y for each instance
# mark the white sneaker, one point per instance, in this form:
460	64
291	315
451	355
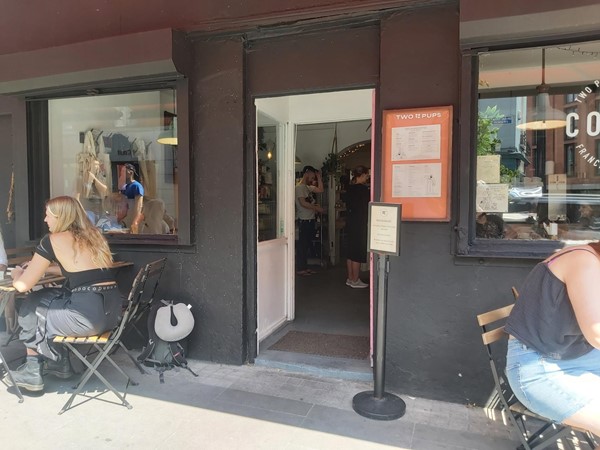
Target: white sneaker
358	284
348	282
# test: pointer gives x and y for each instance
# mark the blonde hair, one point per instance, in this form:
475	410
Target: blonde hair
71	217
154	211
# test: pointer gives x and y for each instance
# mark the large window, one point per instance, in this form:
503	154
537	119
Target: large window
537	166
118	155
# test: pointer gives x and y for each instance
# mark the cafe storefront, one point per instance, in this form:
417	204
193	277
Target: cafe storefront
75	113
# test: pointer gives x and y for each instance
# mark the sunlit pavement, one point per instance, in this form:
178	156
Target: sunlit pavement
233	407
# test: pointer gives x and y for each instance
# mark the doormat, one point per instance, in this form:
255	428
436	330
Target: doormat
337	345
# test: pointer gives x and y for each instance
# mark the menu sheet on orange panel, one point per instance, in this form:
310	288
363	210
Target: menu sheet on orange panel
417	146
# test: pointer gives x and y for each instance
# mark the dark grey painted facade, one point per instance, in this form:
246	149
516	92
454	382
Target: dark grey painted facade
411	56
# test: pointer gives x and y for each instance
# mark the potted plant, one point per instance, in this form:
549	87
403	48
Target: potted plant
331	166
487	132
488	141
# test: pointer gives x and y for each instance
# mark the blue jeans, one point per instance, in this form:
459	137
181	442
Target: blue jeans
553	388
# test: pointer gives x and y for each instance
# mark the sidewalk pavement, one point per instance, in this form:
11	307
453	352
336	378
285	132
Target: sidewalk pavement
234	407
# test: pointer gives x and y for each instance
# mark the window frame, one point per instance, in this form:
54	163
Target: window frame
570	166
467	245
38	154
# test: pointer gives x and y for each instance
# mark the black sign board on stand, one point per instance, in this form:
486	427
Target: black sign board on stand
384	239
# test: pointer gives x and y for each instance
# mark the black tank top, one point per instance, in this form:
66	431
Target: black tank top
543	317
74	279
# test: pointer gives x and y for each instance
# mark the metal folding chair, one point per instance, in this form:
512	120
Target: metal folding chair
546	431
7	304
147	277
4	368
143	305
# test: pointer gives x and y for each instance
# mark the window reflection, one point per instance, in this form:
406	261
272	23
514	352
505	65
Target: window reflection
537	184
104	151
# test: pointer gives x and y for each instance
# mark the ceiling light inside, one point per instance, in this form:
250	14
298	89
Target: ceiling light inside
545	117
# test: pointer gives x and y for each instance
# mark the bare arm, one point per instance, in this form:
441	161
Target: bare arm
54	269
309	205
25	279
102	188
137	214
580	272
319	188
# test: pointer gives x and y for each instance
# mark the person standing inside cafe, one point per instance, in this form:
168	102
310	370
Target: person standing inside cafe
306	209
357	207
88	304
134	191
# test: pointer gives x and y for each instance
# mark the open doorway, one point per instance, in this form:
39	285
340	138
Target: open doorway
314	319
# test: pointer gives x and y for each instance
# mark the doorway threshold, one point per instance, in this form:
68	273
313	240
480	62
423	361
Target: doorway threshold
324	366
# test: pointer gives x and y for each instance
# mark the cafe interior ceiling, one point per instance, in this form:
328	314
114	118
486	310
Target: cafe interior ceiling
570	65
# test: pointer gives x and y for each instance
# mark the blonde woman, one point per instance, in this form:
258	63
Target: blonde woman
88	304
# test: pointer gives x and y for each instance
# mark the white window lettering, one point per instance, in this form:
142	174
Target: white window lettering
593	125
572	130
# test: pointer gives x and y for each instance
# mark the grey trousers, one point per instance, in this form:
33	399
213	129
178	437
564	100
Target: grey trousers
52	312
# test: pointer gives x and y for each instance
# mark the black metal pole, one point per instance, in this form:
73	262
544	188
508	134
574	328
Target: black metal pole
378	404
379	369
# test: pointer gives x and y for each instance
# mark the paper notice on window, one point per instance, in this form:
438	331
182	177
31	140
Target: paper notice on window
492	198
488	168
417	180
557	196
419	142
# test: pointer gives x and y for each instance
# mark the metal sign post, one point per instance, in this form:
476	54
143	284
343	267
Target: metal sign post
384	239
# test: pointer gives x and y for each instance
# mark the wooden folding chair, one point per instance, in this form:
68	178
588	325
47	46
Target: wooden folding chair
548	432
107	341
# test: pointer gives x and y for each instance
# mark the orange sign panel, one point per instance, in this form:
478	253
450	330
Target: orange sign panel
417	147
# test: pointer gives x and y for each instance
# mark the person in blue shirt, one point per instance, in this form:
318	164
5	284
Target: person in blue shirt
134	191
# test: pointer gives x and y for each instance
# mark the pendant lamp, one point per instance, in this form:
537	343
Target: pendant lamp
169	136
545	117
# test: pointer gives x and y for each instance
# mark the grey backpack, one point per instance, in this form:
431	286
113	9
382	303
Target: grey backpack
160	354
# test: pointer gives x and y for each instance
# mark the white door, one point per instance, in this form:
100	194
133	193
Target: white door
275	181
275	255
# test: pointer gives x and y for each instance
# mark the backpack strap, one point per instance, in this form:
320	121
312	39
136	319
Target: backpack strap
147	351
179	357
